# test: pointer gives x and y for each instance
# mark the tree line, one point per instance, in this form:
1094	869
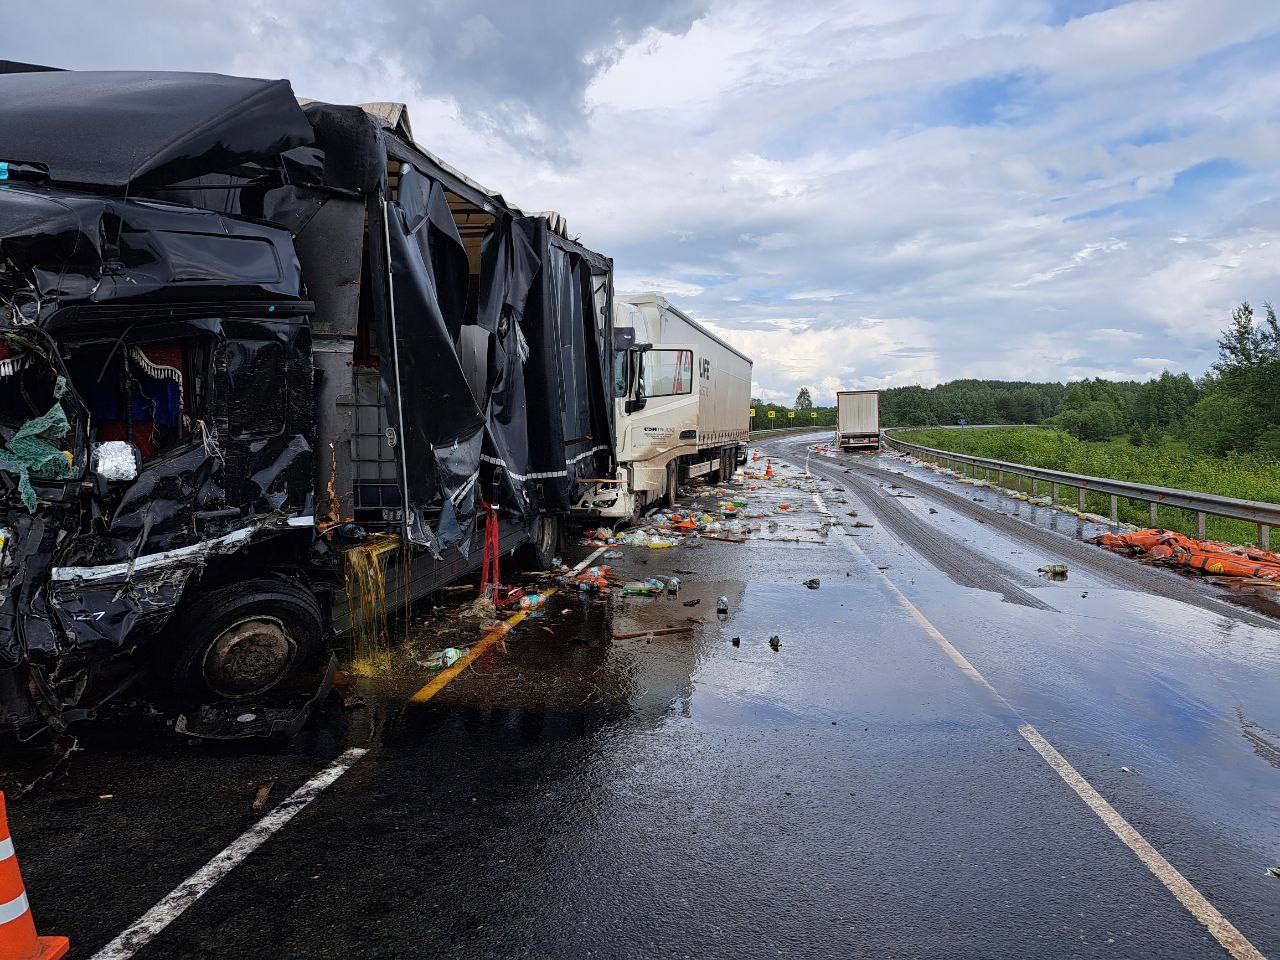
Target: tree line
1234	407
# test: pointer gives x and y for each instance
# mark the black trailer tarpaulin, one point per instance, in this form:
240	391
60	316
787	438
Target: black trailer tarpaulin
509	265
116	128
568	325
438	421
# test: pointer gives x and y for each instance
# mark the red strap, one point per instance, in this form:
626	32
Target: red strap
491	576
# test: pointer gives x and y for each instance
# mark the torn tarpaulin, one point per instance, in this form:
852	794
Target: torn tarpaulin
509	264
568	323
438	422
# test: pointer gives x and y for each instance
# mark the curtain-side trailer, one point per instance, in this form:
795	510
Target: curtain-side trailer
682	400
858	419
248	344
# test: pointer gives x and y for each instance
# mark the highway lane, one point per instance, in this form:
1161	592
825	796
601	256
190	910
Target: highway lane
855	792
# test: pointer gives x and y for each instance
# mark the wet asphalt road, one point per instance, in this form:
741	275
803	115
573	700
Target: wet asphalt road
853	793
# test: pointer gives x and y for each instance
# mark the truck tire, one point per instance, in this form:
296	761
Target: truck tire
545	546
239	640
673	485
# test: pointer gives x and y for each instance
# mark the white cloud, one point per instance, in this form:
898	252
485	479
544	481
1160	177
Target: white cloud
1030	199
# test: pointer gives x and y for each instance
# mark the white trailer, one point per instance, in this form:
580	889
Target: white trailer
682	407
858	419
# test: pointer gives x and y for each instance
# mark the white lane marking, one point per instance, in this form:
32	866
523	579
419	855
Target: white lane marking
1231	939
204	879
587	562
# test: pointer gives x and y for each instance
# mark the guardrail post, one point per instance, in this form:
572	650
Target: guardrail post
1035	487
1199	524
1053	489
1264	536
1080	499
1115	509
1155	514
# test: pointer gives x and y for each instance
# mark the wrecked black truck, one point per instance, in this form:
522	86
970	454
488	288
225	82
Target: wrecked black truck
243	336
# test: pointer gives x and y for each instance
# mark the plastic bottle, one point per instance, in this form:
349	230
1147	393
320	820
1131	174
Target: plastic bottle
722	607
673	585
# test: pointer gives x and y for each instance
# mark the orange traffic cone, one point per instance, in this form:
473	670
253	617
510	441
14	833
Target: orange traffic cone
755	456
18	940
768	469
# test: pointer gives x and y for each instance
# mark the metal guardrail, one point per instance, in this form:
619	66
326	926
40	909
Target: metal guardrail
1263	515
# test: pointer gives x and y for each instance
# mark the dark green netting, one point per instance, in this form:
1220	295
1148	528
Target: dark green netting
35	449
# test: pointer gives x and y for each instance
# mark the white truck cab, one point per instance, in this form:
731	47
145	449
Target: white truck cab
682	401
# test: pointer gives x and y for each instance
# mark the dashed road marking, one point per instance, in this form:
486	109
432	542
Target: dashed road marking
204	879
1231	939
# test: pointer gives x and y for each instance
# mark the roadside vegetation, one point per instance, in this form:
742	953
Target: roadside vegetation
1233	409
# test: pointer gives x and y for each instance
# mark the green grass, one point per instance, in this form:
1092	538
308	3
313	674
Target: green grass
1171	464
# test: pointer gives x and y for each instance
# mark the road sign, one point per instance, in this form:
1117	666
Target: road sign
814	414
771	413
753	411
791	414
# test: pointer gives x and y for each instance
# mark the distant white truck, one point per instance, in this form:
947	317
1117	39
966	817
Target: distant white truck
682	407
858	419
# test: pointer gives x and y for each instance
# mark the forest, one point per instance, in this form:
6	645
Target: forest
1233	409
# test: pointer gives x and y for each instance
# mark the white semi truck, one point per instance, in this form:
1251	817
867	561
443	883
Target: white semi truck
858	419
682	407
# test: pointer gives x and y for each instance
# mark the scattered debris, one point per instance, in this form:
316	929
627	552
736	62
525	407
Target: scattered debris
264	792
736	641
813	584
1054	571
1206	556
443	658
775	643
693	603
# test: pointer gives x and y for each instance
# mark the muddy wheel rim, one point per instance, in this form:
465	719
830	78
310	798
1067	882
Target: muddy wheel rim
248	657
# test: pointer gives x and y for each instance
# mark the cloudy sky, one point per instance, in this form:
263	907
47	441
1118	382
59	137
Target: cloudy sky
859	194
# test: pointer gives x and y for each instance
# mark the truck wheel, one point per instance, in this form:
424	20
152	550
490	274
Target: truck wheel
546	541
240	640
